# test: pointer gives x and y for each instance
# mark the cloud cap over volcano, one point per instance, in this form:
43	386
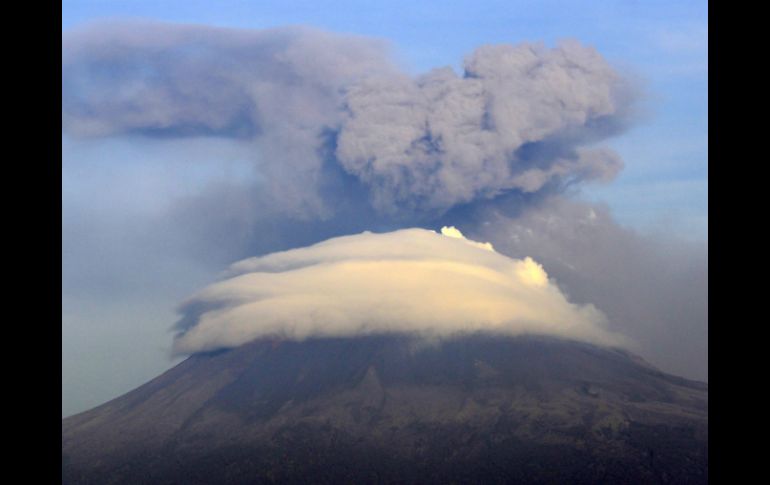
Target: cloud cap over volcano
407	281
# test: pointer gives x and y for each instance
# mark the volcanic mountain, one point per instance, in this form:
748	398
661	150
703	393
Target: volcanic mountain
395	409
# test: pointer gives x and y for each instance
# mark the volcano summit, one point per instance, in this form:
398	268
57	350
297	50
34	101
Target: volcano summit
403	357
394	409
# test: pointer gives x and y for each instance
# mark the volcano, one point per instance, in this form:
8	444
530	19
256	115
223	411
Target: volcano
396	409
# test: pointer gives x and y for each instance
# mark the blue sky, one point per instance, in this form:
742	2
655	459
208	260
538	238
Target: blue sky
663	44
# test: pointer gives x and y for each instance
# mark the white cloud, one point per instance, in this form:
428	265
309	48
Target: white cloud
452	231
411	280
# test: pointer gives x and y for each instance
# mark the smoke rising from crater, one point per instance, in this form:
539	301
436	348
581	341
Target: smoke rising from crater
341	140
319	106
514	120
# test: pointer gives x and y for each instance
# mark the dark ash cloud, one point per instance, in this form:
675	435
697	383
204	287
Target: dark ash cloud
317	105
515	120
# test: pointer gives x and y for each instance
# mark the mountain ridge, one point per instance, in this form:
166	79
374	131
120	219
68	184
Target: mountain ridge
392	408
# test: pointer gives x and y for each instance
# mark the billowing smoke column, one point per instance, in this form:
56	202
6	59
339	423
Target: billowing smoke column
514	120
411	281
319	106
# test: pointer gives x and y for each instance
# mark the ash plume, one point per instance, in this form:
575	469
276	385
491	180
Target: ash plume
341	140
318	106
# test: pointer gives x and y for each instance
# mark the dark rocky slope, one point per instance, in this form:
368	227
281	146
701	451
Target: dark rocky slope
389	409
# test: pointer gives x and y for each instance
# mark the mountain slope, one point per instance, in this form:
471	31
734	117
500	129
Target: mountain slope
477	409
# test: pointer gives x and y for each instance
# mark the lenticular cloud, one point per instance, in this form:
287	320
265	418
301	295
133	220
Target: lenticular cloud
409	281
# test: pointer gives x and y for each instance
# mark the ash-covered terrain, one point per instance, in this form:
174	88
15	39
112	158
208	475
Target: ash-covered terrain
395	409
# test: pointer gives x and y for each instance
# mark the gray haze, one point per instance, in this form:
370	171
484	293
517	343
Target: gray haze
654	290
187	148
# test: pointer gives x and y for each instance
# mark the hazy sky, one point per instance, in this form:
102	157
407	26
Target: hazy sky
150	217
